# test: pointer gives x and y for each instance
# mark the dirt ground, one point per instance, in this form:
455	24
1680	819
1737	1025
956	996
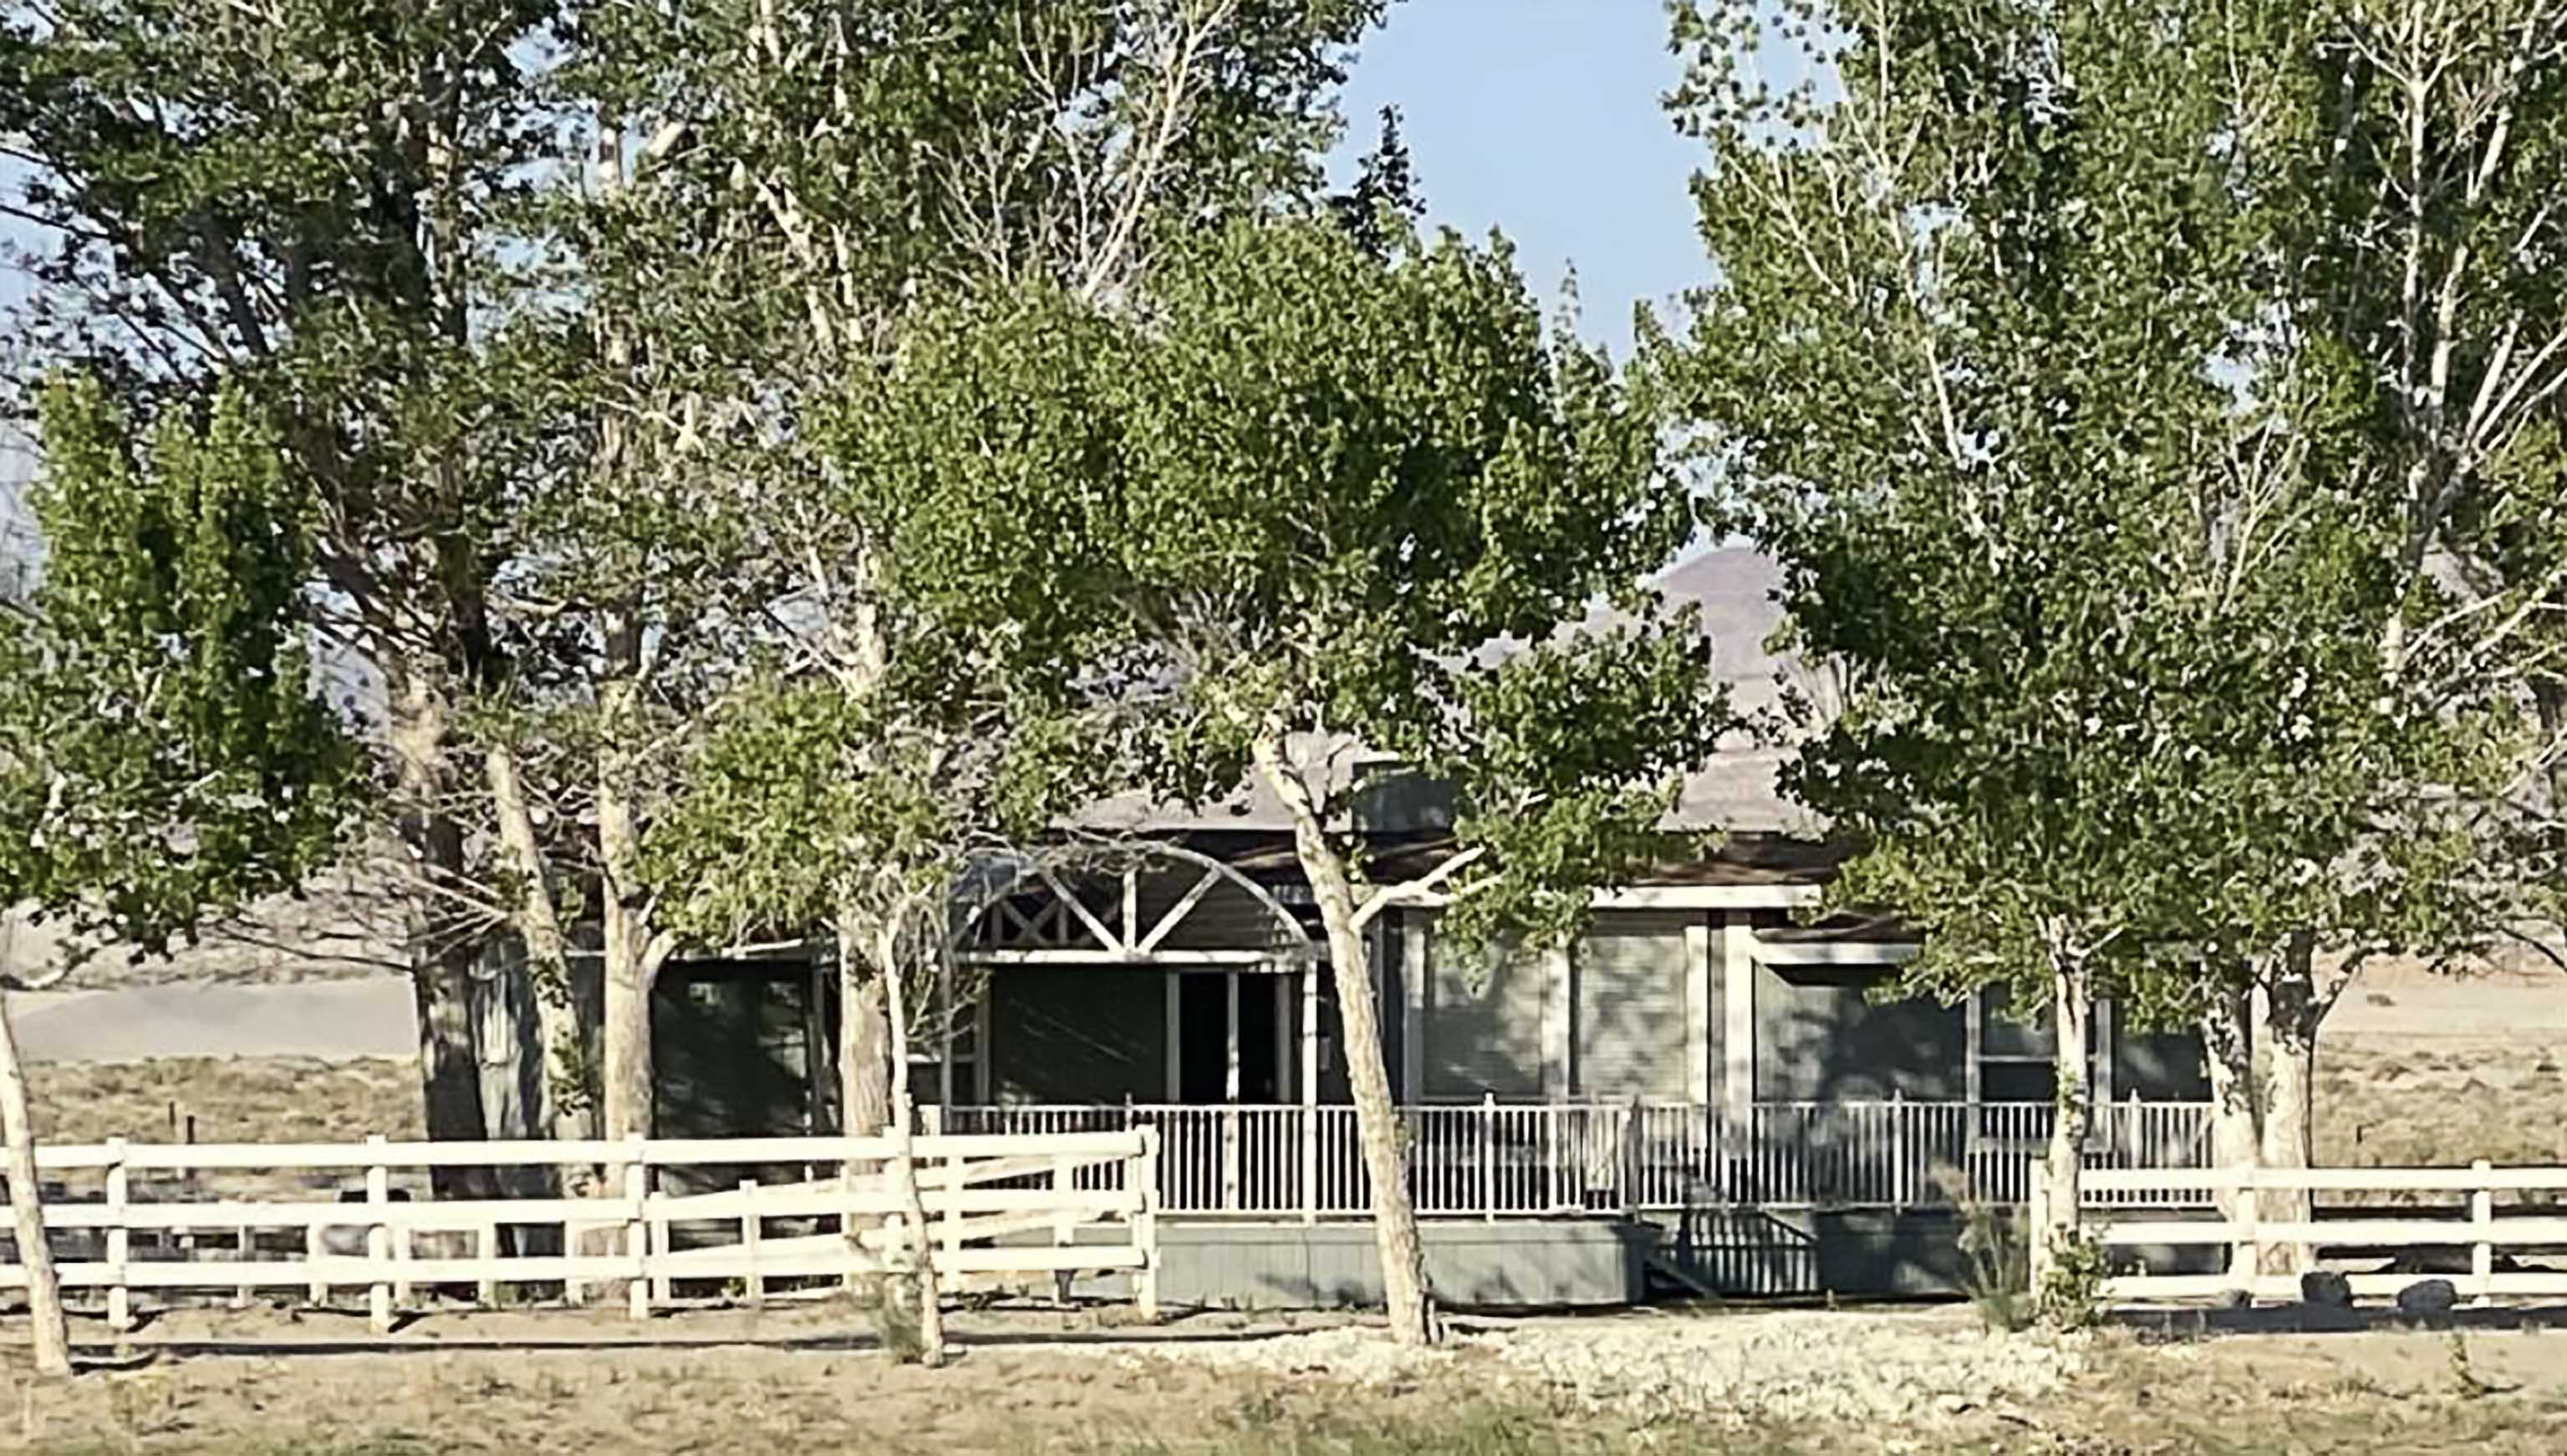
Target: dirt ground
1067	1382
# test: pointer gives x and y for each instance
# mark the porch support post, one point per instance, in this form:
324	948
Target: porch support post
1412	1007
1309	1075
1558	1044
1697	1032
944	1031
1230	1095
1738	1017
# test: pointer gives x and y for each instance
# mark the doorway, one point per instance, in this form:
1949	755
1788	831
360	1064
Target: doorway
1226	1020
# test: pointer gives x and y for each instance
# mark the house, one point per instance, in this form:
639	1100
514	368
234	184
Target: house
1701	1086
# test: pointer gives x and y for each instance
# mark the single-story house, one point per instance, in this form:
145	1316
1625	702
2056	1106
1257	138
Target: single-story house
1702	1083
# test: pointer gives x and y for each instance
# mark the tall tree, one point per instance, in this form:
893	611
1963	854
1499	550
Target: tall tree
772	189
1292	490
238	188
165	754
2070	508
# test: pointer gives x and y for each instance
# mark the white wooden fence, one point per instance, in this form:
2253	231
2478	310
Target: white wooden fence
2470	1220
1493	1161
1015	1205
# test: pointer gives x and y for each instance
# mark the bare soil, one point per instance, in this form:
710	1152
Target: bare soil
1069	1384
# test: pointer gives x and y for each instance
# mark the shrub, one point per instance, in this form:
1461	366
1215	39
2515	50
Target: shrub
1996	1259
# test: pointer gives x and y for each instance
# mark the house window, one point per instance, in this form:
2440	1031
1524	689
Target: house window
2013	1062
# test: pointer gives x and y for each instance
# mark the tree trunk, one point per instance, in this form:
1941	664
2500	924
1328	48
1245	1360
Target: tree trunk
567	1096
2229	1055
864	1034
442	956
52	1337
1377	1124
2072	1009
931	1303
2286	1041
633	952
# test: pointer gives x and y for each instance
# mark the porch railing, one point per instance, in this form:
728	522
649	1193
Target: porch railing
1492	1159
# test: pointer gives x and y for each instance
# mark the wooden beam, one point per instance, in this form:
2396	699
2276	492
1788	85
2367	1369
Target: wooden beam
1697	1032
1104	936
1178	912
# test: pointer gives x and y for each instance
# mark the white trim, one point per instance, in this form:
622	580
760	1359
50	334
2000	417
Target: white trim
1737	938
1697	1011
1677	896
1280	961
1412	1005
1559	1053
1836	952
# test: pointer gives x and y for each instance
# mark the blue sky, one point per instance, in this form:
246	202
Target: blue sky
1541	117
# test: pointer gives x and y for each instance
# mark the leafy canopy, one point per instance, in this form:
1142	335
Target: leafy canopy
165	751
1299	487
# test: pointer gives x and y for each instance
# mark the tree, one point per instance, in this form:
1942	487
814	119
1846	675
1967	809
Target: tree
1289	493
165	752
238	190
775	188
2070	508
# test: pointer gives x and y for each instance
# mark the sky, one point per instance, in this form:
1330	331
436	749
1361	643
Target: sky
1541	117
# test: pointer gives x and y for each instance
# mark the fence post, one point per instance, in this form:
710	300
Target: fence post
636	1227
1063	1221
1230	1157
1145	1227
487	1245
751	1229
119	1310
2482	1223
379	1294
2246	1263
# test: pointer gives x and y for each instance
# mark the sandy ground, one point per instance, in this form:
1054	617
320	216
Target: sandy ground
1856	1381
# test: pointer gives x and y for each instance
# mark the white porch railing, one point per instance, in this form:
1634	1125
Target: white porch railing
1493	1161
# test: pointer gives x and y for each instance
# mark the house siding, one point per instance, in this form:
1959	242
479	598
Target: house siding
1821	1037
1629	1008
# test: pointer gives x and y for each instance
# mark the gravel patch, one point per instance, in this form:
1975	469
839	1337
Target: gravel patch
1777	1364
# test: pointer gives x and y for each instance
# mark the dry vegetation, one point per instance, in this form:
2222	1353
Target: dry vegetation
226	1100
2495	1395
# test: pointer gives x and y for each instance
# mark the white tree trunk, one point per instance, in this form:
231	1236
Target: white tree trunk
2072	1009
567	1097
2228	1056
633	952
2286	1043
1377	1126
51	1335
930	1305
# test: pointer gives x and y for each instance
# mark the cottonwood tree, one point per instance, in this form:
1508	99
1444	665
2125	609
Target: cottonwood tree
768	190
317	201
165	755
1291	489
2049	483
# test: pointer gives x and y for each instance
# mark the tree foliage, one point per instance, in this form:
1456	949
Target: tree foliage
2080	519
168	756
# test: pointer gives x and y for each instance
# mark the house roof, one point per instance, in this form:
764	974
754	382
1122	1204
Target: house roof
1732	588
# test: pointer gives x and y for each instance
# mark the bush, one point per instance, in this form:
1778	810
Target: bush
1996	1259
2072	1285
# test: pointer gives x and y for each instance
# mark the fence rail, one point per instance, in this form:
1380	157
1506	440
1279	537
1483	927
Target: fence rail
995	1204
1493	1161
2473	1221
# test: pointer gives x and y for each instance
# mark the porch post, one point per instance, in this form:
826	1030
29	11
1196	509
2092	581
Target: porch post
1412	1005
1738	1017
1230	1093
1309	1089
944	1031
1697	1038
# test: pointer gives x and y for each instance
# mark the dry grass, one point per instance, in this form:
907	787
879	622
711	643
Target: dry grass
2377	1392
2384	1102
226	1100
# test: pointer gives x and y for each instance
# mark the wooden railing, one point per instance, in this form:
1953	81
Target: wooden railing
1495	1160
1006	1205
2473	1220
